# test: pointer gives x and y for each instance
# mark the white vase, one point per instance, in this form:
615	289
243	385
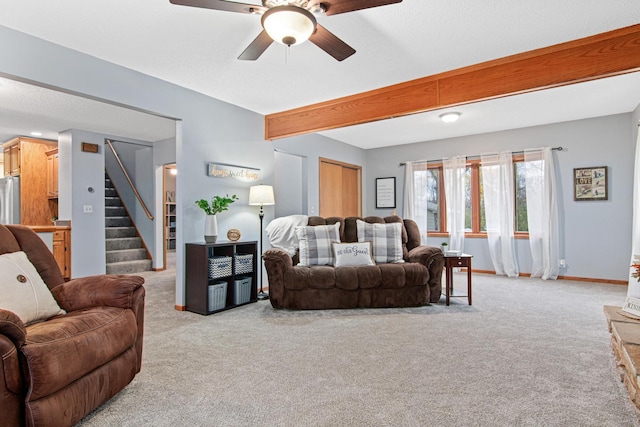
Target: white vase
211	229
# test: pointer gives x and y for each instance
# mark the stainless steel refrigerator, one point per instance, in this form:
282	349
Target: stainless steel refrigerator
10	200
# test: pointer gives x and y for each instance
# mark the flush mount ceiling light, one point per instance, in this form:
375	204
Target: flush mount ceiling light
289	25
450	117
35	133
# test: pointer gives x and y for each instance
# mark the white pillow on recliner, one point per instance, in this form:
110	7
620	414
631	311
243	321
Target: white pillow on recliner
22	290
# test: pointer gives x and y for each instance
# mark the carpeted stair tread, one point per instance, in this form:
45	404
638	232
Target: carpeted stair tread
121	255
129	267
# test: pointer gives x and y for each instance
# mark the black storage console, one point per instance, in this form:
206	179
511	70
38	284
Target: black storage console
220	276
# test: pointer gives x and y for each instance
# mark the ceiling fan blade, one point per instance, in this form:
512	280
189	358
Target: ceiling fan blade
334	7
331	44
257	47
228	6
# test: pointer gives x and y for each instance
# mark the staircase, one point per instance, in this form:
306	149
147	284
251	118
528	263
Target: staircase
125	254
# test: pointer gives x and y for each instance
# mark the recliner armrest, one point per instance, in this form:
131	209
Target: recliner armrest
12	327
112	290
424	254
278	255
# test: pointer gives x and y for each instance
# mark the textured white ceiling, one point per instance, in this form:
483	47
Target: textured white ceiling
197	48
25	108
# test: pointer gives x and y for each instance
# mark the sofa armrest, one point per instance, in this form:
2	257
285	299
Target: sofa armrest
12	327
113	290
432	258
276	262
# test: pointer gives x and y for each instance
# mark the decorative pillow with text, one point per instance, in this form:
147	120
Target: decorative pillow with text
351	254
22	290
386	240
315	243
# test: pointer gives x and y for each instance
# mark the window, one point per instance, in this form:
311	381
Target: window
431	204
521	198
428	188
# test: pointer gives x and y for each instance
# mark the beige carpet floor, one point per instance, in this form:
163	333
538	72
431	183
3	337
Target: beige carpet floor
527	353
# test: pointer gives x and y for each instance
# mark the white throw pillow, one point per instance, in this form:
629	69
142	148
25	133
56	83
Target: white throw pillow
351	254
315	243
386	240
22	290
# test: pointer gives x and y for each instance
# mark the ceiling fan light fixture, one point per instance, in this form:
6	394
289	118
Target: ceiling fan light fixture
450	117
289	25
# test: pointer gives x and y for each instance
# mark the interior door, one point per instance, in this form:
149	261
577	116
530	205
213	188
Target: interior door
340	189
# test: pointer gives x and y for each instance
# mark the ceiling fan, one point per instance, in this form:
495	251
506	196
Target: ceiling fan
291	22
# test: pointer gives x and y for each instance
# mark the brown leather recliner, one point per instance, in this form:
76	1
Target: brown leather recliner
55	372
415	282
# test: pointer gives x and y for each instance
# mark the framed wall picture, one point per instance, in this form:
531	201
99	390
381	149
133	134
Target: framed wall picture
386	193
590	183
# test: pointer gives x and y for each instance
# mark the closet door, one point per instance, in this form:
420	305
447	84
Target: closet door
340	189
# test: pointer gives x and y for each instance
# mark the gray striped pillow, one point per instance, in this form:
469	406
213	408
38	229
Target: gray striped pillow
386	240
315	244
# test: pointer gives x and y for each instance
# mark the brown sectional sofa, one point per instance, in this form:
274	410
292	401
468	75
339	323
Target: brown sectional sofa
415	282
54	372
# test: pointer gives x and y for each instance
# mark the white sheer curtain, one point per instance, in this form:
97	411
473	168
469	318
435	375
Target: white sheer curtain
409	192
454	190
542	212
499	204
633	290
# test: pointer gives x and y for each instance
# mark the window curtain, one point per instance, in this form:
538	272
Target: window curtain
633	290
499	204
542	212
409	192
454	190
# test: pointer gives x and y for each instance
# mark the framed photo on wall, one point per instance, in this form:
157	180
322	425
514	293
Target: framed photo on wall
590	183
386	193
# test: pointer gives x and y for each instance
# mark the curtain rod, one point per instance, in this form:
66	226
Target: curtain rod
473	157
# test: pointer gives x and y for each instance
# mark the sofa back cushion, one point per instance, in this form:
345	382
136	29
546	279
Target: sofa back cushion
37	252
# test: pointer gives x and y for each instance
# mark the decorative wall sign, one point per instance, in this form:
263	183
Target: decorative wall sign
241	173
590	183
386	193
89	148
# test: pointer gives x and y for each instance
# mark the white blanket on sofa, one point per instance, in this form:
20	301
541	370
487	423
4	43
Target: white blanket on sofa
282	232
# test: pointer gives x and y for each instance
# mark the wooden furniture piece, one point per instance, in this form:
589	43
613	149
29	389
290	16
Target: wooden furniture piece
197	278
625	343
170	225
27	158
60	246
52	173
451	262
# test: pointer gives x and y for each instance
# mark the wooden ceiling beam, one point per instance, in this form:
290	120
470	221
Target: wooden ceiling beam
602	55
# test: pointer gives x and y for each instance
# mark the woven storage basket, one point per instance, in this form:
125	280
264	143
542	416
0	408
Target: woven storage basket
219	266
244	263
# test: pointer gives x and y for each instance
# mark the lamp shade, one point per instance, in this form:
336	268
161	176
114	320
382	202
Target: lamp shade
289	25
261	195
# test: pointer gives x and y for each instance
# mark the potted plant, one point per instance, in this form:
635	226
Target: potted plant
443	246
212	208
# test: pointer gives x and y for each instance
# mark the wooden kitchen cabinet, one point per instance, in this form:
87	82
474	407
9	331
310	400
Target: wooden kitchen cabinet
52	173
28	159
62	251
12	160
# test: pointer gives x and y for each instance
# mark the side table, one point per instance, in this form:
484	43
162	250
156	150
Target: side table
451	262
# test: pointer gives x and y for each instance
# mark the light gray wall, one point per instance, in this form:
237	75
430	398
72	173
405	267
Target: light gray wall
288	186
595	235
313	147
75	184
211	131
